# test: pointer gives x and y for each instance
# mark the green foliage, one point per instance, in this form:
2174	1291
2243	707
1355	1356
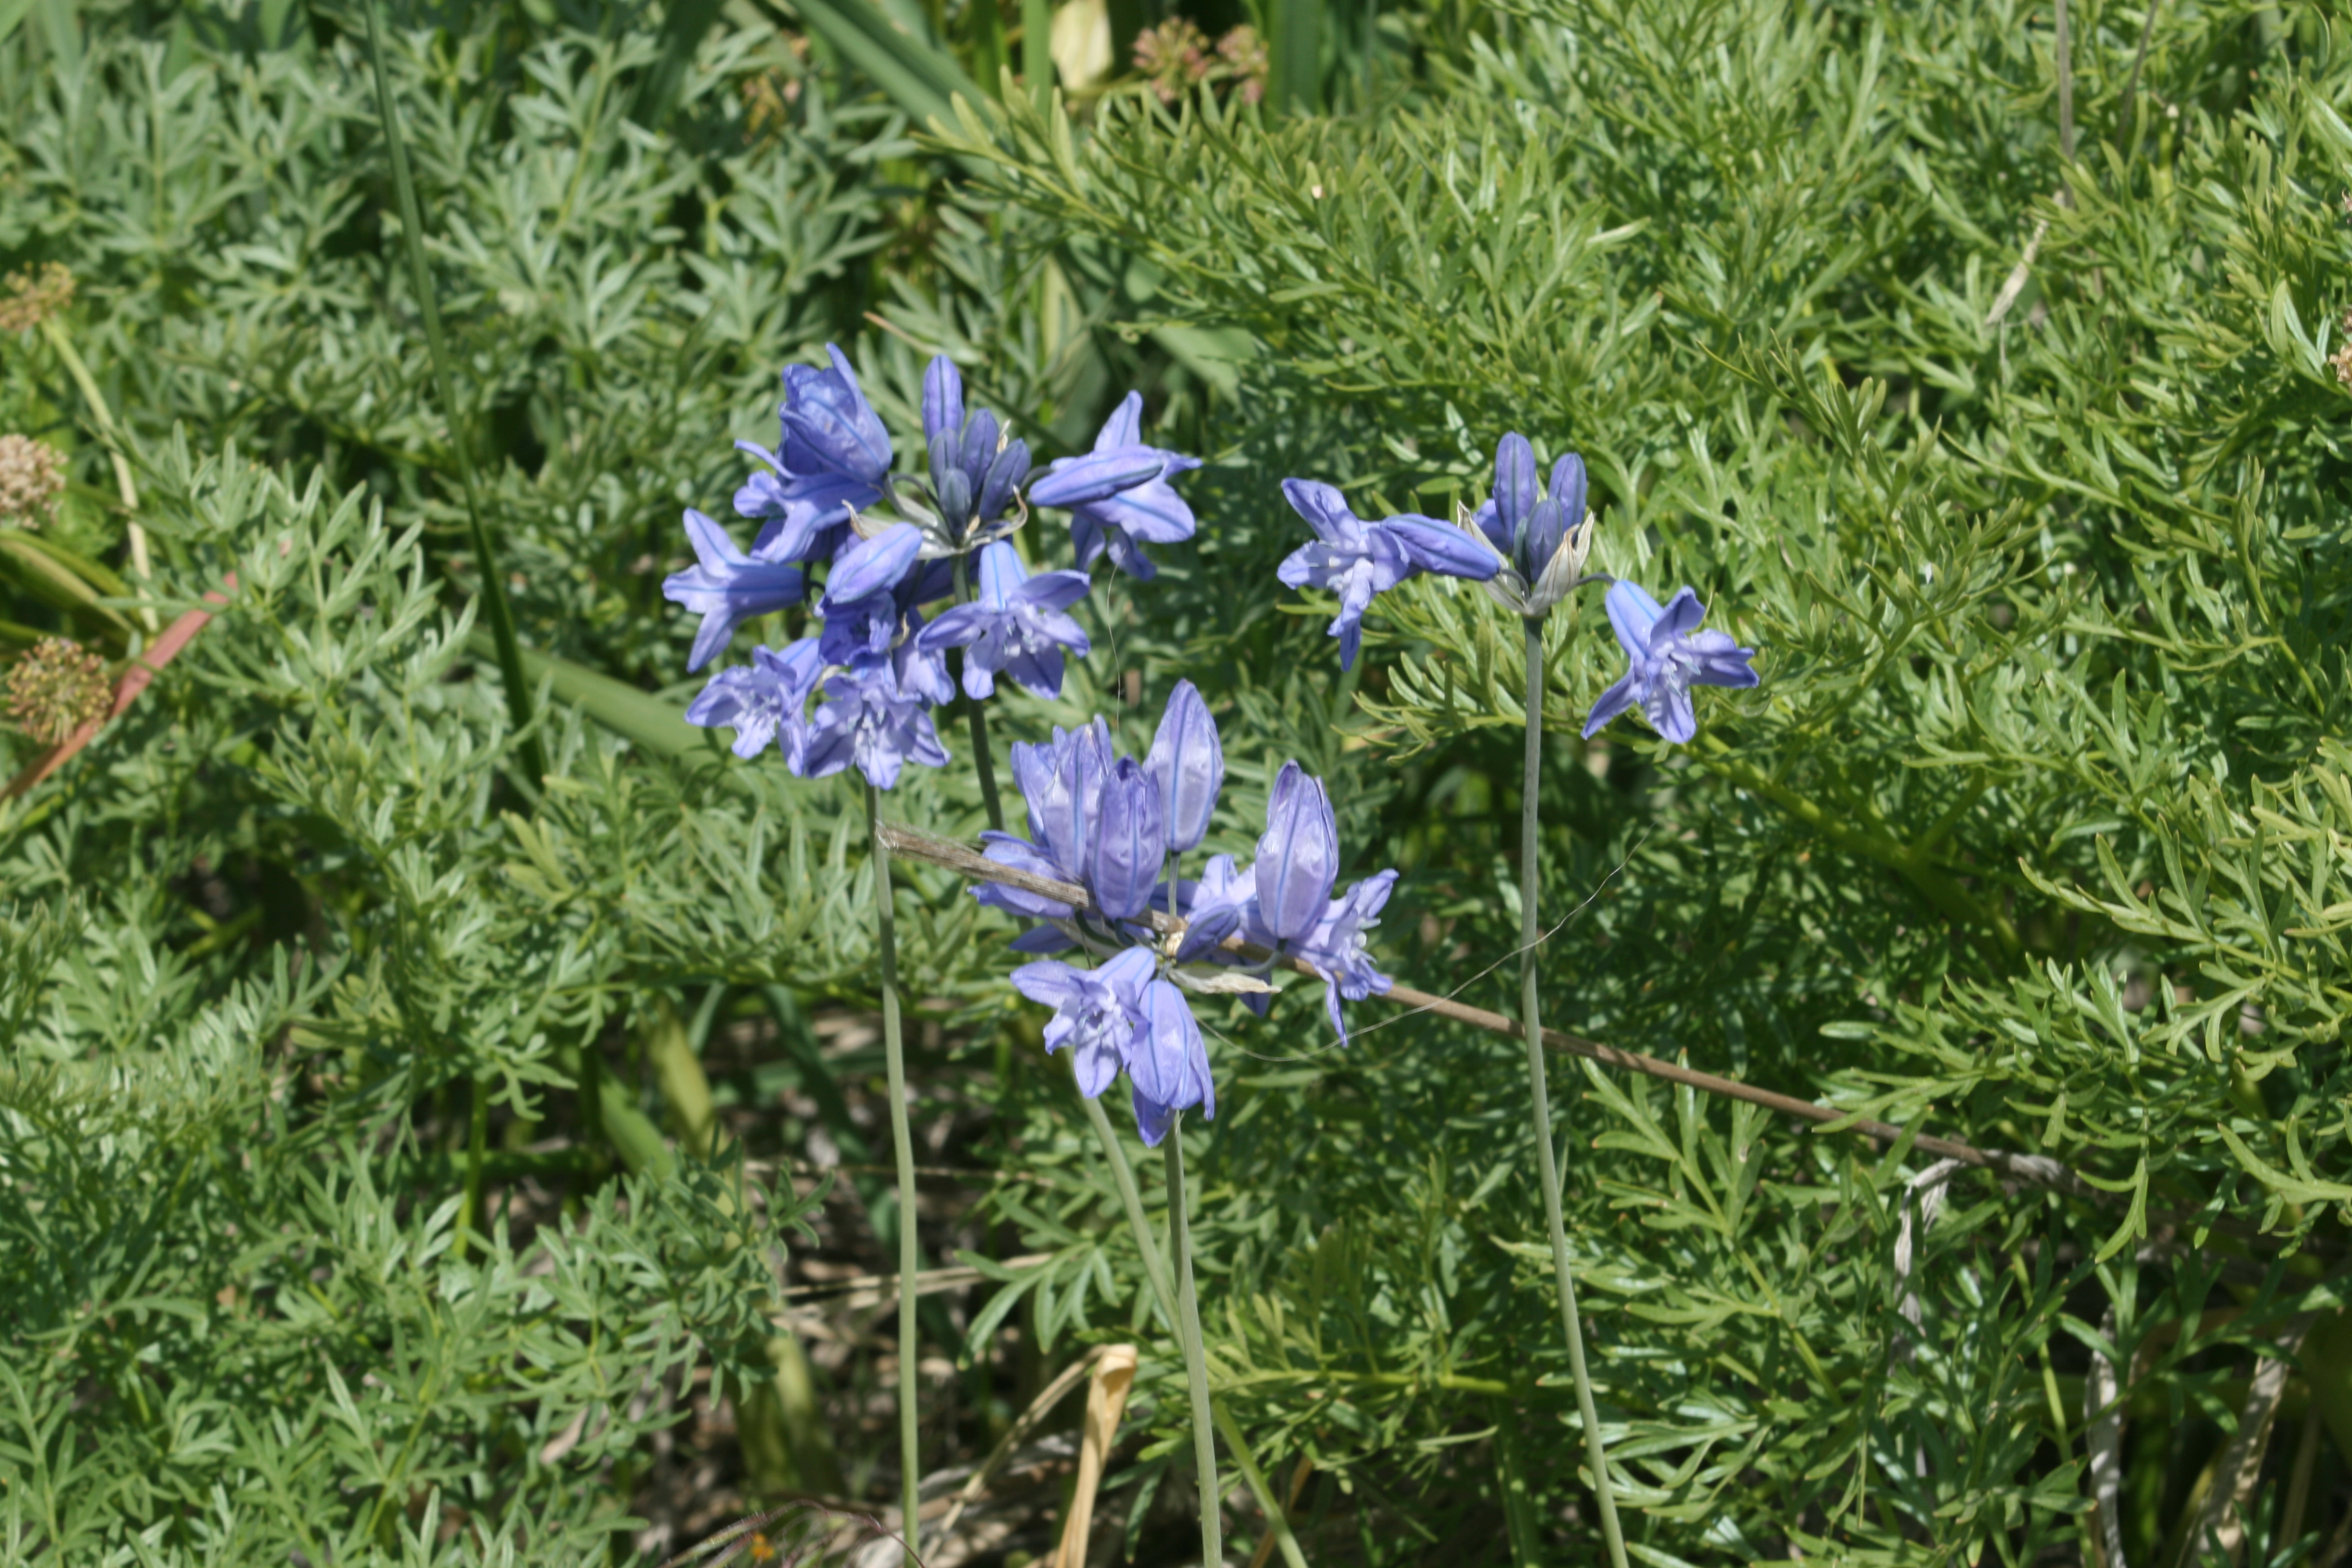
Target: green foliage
2022	835
2032	836
231	1262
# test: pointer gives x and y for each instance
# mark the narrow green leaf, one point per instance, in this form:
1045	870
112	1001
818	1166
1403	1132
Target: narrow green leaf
915	74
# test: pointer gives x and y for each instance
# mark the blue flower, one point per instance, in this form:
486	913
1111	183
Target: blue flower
763	701
835	457
1118	494
1096	1012
1668	654
871	593
1335	948
974	464
1015	627
1131	842
1356	559
1189	763
1223	901
829	428
726	587
1061	783
1540	539
869	718
1168	1064
1298	857
802	517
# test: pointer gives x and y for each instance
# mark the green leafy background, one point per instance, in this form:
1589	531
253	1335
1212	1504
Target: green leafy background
2034	835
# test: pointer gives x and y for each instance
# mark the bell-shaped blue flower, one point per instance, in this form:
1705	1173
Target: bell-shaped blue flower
1668	654
1061	783
1131	842
870	596
1297	858
1356	559
868	718
1017	626
726	587
871	566
835	457
1097	1012
1189	763
763	703
829	428
1168	1063
802	517
975	466
1118	494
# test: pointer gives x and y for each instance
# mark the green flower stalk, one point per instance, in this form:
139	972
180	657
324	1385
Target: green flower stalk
1540	541
1196	1358
1539	1092
902	1144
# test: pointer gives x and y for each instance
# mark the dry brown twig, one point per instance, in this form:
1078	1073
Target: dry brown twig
2035	1169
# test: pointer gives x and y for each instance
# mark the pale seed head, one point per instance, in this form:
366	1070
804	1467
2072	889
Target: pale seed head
32	476
57	688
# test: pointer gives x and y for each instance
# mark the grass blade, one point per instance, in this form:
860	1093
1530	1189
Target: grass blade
918	76
486	560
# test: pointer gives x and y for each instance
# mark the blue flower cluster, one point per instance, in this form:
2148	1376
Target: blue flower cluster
1115	826
881	549
1528	547
888	545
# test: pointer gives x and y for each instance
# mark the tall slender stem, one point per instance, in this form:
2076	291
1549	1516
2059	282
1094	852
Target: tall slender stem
983	761
111	434
902	1141
486	560
1196	1359
1122	1176
478	1140
1530	1015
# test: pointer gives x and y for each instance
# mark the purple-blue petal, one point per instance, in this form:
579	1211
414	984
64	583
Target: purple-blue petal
871	566
1633	613
1097	476
1434	547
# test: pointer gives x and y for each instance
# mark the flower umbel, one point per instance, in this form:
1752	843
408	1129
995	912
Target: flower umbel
57	688
1539	539
34	296
1668	654
32	476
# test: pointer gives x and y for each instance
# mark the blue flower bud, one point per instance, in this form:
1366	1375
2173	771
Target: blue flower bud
1059	782
1515	496
942	405
1168	1063
1298	857
1131	842
1189	764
